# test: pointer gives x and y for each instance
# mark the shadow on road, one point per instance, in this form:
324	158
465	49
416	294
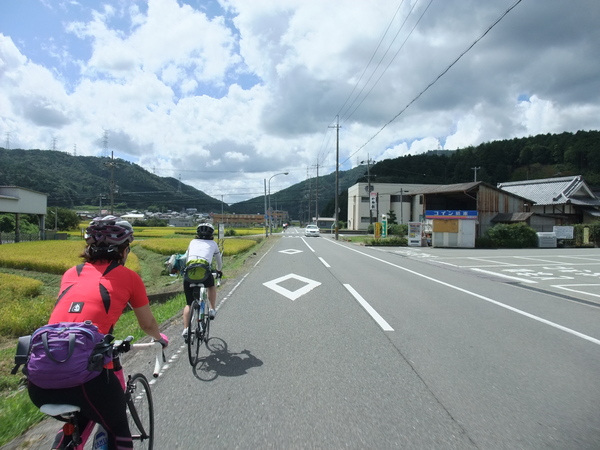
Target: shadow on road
221	362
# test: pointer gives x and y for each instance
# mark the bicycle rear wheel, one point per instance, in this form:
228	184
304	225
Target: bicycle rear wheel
206	322
194	333
140	412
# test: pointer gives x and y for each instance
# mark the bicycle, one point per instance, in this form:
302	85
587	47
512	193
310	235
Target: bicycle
199	322
140	407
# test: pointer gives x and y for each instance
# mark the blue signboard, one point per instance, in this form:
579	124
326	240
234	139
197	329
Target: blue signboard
450	214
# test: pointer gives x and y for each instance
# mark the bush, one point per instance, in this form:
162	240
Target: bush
518	235
594	234
388	242
484	242
398	230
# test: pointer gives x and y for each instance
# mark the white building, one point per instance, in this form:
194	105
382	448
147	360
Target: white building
390	196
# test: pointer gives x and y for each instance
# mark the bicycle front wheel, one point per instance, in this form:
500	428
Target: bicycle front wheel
194	333
140	412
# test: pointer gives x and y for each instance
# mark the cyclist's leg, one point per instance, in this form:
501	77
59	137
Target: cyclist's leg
106	405
189	297
212	296
211	291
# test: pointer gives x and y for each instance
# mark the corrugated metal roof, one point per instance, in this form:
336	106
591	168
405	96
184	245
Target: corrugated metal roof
547	191
460	188
446	188
511	217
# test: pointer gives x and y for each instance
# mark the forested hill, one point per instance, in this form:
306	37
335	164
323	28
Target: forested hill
71	181
541	156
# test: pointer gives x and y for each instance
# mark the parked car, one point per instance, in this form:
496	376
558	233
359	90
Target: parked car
312	230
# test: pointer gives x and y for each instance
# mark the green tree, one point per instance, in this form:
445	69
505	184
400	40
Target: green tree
391	215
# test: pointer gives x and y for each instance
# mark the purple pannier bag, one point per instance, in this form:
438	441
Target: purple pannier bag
67	354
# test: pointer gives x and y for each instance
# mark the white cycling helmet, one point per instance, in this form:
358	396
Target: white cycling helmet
205	231
109	230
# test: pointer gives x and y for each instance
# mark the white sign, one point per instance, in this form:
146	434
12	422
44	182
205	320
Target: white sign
563	232
373	201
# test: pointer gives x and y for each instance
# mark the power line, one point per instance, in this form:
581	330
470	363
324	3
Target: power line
437	78
392	60
370	60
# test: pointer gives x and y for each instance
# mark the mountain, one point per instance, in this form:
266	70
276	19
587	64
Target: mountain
72	181
294	199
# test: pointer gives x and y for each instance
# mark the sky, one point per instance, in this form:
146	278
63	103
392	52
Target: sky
227	95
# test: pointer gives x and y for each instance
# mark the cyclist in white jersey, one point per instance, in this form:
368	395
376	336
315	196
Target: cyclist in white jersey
202	247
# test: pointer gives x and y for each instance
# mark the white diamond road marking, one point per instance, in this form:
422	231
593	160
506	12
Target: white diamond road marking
291	251
292	295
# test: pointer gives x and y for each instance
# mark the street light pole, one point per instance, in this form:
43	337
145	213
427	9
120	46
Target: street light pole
270	220
266	211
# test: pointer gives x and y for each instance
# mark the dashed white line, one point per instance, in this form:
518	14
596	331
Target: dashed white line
374	314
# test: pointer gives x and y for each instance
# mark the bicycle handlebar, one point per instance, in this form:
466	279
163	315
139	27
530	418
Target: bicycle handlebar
125	345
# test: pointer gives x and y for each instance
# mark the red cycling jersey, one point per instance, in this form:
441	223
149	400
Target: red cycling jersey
98	292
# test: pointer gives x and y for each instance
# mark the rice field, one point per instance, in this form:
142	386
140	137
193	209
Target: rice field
180	245
49	256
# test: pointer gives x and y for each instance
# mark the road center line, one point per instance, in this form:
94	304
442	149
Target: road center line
324	262
374	314
309	247
487	299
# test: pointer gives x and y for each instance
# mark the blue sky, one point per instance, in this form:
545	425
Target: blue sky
225	93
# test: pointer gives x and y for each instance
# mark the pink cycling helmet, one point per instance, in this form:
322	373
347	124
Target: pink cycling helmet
109	230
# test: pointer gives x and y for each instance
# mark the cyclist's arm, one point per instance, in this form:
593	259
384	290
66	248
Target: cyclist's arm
147	321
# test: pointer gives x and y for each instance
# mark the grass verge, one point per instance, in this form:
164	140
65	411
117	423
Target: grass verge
17	413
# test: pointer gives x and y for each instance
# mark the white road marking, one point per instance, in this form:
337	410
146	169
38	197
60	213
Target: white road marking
522	280
481	297
292	295
290	251
569	288
374	314
324	262
311	249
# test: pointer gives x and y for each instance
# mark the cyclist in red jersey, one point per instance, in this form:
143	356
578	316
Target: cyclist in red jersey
99	290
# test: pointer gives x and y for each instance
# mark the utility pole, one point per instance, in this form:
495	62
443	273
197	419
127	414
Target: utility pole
266	213
309	218
337	175
7	145
317	194
369	189
475	169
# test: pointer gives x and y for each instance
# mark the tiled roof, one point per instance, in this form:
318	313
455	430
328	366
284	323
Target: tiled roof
549	191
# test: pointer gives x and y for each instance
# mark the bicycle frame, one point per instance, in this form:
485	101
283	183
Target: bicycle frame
70	413
199	321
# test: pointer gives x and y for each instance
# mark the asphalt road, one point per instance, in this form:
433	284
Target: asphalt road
326	344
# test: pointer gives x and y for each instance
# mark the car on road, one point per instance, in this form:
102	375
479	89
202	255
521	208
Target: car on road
312	230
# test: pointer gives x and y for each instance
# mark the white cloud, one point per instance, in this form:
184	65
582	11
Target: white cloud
224	95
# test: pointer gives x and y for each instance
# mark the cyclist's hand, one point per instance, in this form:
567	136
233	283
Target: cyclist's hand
219	274
164	340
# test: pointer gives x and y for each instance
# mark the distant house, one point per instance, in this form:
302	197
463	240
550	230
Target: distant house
556	201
